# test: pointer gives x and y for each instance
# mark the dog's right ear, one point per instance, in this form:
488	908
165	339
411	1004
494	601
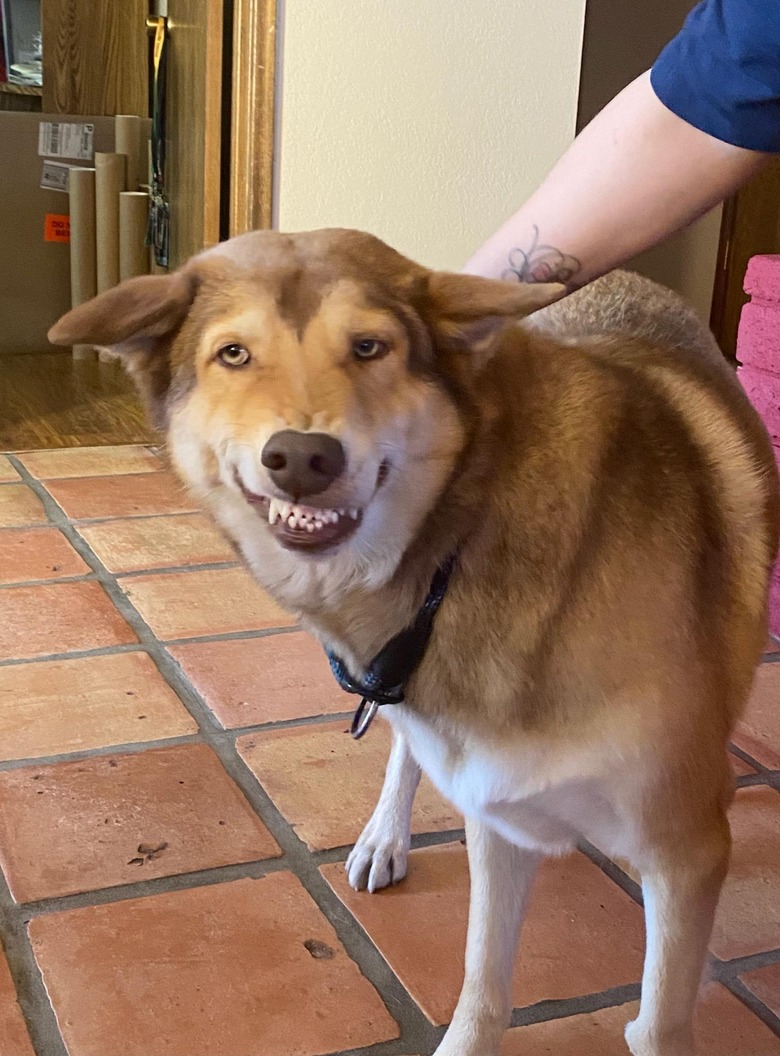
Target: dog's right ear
141	308
135	320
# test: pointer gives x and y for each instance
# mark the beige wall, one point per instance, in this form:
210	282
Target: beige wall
622	39
424	121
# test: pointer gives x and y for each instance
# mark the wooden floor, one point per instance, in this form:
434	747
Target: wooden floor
48	399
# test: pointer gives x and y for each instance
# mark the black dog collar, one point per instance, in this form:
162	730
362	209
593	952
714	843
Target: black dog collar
393	666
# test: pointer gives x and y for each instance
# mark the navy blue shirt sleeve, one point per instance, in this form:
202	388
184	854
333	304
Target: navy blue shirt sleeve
721	73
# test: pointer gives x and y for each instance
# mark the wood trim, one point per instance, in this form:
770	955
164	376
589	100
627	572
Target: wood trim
194	130
252	118
9	88
212	176
722	273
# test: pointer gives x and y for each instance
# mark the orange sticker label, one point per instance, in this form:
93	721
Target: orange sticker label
57	228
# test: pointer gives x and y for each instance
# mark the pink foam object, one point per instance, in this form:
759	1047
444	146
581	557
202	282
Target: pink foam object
758	351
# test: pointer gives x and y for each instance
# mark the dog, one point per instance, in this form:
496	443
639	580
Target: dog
598	501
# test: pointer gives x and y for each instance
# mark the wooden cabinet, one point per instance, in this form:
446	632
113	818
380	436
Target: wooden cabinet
25	97
95	57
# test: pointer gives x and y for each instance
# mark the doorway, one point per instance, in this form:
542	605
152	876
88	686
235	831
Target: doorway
97	62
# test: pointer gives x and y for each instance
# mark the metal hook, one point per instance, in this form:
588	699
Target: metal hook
363	717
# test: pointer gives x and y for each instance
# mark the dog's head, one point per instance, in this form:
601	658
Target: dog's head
306	382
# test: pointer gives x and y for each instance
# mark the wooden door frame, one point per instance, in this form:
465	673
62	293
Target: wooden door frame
719	321
750	226
194	125
252	115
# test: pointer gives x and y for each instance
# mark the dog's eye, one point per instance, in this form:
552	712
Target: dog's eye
369	348
233	356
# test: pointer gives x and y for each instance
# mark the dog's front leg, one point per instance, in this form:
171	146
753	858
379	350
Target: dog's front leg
379	857
501	879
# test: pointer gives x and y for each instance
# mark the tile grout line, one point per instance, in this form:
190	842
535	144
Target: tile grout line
754	1004
134	647
37	1010
359	946
400	1005
101	752
149	744
740	753
612	870
87	577
300	861
728	972
253	869
750	962
169	671
725	972
564	1008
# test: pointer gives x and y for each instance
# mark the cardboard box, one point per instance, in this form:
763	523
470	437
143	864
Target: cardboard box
35	257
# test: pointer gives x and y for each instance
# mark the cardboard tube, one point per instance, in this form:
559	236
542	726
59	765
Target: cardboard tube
133	220
128	142
109	183
83	259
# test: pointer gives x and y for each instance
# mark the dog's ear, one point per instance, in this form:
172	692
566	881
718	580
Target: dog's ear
136	321
471	311
141	308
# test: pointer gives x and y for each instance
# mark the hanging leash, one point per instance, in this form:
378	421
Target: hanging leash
158	230
385	679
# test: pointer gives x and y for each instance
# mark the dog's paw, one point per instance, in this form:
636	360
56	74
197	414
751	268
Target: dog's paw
642	1043
471	1041
378	859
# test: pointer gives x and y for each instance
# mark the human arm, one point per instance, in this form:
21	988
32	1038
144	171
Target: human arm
634	175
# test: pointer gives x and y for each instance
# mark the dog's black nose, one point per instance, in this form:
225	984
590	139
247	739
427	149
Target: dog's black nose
303	463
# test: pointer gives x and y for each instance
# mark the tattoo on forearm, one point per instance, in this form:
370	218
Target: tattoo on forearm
541	263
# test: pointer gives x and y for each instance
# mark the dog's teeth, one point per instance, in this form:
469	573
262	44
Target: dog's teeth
309	518
275	511
301	516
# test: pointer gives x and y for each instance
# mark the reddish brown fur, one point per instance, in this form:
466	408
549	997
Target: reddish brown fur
561	470
610	492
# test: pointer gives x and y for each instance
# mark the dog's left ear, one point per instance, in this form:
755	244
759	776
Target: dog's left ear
471	311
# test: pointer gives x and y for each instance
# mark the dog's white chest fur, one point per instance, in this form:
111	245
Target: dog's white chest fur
534	795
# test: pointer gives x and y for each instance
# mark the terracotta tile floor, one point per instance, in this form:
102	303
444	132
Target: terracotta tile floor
178	795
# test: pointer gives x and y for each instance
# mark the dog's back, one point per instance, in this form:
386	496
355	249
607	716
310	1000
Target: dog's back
649	523
625	303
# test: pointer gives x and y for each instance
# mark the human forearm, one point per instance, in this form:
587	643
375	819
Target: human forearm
636	174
